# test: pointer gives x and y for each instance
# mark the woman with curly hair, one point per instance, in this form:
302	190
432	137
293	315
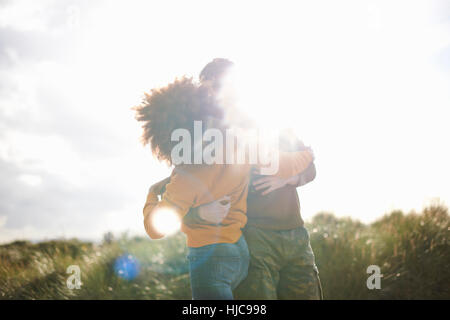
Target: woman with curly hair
218	254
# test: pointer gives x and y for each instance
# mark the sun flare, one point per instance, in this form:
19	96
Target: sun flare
166	221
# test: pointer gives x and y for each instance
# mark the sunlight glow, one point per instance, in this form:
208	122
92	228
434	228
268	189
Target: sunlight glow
365	83
339	77
166	221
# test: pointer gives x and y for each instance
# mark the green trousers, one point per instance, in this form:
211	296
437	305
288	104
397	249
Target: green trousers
282	266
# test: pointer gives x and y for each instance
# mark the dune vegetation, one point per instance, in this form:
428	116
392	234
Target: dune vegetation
412	251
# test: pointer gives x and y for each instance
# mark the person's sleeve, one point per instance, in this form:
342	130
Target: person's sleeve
289	142
179	196
293	157
306	176
293	163
150	205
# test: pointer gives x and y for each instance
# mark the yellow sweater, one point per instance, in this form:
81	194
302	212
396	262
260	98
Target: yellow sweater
193	185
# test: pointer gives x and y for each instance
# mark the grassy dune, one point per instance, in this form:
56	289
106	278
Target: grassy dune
412	250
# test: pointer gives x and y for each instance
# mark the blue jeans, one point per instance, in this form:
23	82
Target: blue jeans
217	269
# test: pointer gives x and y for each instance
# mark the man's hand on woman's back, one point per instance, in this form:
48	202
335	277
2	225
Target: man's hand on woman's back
268	184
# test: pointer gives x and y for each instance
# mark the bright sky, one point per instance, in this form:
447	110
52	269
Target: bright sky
366	83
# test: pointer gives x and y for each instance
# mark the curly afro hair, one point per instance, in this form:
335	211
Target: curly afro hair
174	106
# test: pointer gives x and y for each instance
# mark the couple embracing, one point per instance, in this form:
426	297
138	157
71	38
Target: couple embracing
245	234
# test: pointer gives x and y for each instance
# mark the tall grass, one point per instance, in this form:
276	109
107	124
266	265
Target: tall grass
412	250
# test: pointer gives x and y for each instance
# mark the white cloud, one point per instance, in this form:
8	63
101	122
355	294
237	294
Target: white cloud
31	179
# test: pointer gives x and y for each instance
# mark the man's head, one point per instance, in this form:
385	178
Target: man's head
214	73
219	77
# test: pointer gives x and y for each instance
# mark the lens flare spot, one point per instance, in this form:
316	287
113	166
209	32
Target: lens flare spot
166	221
126	267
